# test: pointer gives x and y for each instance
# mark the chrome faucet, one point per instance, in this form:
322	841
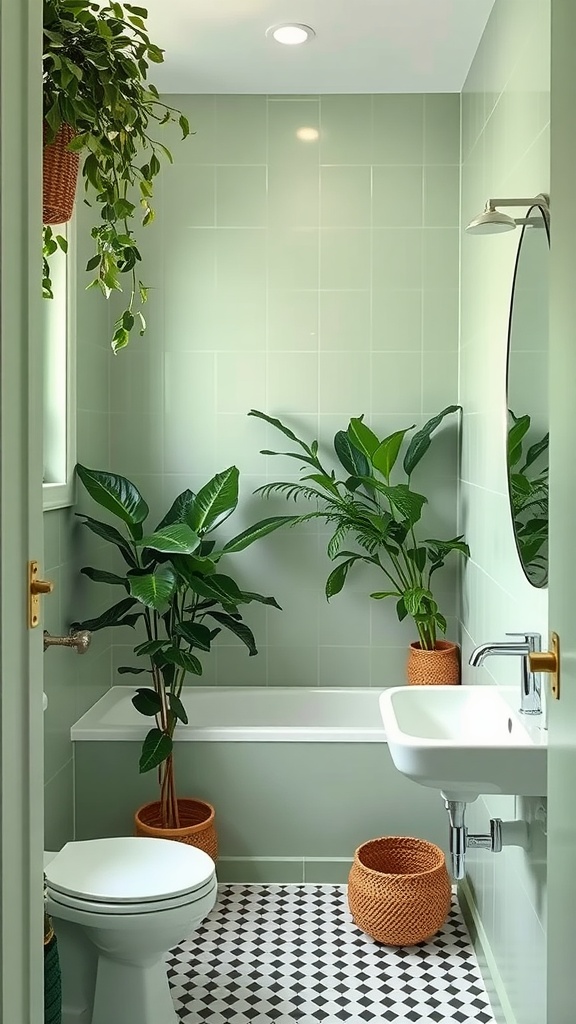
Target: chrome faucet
531	703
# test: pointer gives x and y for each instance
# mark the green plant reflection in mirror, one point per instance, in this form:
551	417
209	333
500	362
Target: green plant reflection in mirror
527	447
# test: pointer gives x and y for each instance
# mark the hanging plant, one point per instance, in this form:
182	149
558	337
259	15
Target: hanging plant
95	68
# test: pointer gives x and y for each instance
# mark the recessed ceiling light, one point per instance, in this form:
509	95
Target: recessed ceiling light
291	35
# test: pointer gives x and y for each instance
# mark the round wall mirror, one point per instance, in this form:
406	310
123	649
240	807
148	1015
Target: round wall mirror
527	389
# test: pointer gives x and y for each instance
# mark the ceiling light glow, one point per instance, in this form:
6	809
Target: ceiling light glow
291	35
307	134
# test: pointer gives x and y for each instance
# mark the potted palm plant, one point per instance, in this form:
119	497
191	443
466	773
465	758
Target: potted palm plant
175	591
382	517
98	103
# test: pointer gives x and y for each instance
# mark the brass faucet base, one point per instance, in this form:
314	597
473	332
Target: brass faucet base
549	662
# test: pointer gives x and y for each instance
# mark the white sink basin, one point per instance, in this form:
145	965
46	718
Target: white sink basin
465	740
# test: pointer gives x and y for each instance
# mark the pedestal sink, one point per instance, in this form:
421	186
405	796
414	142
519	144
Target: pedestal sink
465	740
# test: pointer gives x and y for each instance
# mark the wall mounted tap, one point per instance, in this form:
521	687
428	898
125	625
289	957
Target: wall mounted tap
526	644
78	639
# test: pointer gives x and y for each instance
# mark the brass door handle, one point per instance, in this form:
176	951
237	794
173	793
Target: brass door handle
36	588
549	662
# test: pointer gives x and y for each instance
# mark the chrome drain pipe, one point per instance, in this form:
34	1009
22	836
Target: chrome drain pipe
502	833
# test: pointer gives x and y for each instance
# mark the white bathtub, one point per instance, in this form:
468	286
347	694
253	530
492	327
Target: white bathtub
299	777
246	714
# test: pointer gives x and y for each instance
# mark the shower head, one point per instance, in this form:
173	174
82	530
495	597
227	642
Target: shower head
492	221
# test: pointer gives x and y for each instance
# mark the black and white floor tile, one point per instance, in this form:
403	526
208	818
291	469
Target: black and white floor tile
275	954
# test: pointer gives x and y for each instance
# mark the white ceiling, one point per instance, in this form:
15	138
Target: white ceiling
219	46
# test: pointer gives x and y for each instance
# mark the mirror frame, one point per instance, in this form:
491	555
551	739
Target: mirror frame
544	212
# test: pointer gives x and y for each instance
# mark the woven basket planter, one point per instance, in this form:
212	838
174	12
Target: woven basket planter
440	667
197	825
398	890
52	976
59	177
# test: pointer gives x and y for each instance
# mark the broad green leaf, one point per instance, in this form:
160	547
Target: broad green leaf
216	588
256	531
185	565
381	594
418	556
416	600
362	438
156	748
325	482
218	497
114	493
421	441
240	629
384	458
150	647
516	435
337	578
101	576
279	426
111	617
401	610
179	511
177	708
124	670
195	634
536	450
177	539
248	596
183	659
409	503
111	534
354	461
155	589
147	701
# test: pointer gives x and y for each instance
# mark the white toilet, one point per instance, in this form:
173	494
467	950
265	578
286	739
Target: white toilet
118	906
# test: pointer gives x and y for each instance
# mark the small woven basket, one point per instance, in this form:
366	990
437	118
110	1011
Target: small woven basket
440	667
59	177
197	827
398	890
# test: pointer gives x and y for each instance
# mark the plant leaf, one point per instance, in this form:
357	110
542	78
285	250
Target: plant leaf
279	426
177	708
179	511
337	577
421	441
242	631
384	458
156	748
111	617
216	588
124	670
147	701
174	656
114	493
195	634
256	531
354	461
381	594
177	539
111	534
362	438
101	576
155	589
215	499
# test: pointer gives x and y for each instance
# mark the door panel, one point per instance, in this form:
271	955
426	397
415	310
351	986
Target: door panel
562	715
21	752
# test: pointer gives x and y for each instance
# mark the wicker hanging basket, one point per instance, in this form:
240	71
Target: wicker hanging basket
59	177
398	890
440	667
197	824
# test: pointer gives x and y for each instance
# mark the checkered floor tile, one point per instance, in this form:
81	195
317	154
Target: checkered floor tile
274	954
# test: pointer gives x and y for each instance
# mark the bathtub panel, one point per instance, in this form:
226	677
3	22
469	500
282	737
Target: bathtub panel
284	800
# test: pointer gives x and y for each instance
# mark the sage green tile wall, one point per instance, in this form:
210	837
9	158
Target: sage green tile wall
315	280
74	683
505	140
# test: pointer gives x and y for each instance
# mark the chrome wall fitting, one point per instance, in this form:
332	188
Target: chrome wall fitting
79	639
502	833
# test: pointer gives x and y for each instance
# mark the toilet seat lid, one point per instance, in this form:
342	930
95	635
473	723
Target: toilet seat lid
130	869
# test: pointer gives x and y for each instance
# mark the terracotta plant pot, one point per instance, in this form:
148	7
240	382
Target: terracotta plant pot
59	177
197	824
440	667
399	890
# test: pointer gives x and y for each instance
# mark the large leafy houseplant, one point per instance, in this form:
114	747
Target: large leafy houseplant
175	591
528	484
95	80
364	502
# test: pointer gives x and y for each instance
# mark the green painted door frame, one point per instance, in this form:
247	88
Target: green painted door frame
562	732
21	727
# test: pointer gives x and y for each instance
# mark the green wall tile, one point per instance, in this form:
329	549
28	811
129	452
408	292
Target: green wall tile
397	258
285	119
51	521
397	382
189	195
292	320
327	872
440	260
346	136
398	129
59	809
441	195
442	128
345	196
397	197
397	320
240	134
241	196
345	320
293	258
293	195
345	258
260	869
